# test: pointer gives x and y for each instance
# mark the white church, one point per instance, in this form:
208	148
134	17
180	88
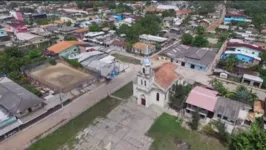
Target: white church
153	86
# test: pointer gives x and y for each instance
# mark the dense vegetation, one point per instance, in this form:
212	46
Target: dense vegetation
150	24
241	93
255	9
12	59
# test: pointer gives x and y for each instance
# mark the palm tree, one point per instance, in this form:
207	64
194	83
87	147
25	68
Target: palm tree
231	62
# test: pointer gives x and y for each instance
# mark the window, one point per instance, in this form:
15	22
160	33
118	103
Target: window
144	83
75	49
219	116
225	118
157	96
176	61
200	67
141	82
143	70
253	52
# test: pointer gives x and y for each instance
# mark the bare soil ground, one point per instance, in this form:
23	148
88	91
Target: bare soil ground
61	75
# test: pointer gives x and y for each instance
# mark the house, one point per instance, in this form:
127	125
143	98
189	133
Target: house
152	87
191	57
252	80
67	19
204	23
203	100
65	48
140	48
234	17
79	33
29	38
249	53
167	7
119	44
16	105
15	27
228	110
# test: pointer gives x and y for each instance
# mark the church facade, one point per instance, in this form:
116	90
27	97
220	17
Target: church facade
153	86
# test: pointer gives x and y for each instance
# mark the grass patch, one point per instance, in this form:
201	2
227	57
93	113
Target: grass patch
124	92
126	59
66	134
166	129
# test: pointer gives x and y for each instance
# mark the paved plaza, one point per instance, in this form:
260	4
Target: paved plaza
123	129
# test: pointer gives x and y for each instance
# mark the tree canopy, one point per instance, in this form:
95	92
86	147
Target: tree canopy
149	24
94	28
254	139
200	41
187	39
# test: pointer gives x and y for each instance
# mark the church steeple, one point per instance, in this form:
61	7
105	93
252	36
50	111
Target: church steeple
146	63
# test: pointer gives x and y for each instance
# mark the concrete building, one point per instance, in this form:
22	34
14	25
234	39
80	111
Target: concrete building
248	53
235	17
203	100
152	87
16	105
252	80
152	39
191	57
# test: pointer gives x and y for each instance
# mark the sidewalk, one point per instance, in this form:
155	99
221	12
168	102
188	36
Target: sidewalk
22	139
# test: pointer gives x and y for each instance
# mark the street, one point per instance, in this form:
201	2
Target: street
22	139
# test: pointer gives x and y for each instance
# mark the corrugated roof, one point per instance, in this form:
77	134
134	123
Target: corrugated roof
251	46
81	30
14	97
229	108
202	98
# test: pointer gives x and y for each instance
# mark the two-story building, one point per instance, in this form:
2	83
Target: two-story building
228	18
248	53
65	48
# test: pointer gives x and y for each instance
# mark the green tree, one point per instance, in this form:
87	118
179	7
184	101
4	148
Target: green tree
254	139
242	94
68	23
70	37
230	62
178	96
222	133
200	30
94	28
263	56
195	120
187	39
200	41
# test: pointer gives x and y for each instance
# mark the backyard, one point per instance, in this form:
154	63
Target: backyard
126	58
166	129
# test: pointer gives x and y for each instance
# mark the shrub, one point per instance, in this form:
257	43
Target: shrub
52	61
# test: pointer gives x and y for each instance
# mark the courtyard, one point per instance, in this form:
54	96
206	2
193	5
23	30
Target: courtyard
60	76
123	128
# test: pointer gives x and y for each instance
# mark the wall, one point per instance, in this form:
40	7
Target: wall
188	65
244	58
68	51
247	50
2	32
228	20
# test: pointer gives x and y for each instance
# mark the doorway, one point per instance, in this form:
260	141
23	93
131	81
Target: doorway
182	64
192	66
143	102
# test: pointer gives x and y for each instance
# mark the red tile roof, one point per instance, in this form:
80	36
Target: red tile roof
235	15
202	98
165	75
183	12
251	46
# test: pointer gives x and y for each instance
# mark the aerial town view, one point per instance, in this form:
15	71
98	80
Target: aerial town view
133	75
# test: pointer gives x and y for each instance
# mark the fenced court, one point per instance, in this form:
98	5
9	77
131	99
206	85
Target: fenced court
62	77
